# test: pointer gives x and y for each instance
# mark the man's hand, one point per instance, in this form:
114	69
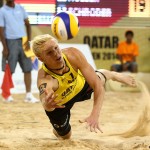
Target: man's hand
26	46
92	123
49	101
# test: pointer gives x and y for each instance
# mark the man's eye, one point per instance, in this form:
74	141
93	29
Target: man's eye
49	52
56	48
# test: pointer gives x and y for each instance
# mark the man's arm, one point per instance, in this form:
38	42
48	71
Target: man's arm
120	58
2	35
119	53
3	40
28	30
46	92
136	52
78	60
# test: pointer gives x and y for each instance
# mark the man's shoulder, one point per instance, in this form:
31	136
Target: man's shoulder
18	6
74	56
70	50
43	74
122	43
72	53
3	8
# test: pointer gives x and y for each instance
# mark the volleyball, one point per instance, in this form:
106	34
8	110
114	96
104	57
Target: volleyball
65	26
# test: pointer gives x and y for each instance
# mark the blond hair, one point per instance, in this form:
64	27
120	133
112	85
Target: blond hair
37	44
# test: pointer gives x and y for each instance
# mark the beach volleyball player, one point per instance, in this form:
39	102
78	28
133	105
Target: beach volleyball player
65	78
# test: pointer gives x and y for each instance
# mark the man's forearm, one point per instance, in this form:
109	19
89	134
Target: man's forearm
28	29
3	40
98	100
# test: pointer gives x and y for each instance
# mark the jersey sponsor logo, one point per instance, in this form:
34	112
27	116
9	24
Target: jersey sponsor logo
68	91
71	87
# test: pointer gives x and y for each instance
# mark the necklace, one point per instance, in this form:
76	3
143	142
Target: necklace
58	68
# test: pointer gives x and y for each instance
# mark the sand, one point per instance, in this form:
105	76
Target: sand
25	126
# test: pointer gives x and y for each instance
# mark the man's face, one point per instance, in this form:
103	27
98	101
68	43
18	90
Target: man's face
51	54
129	37
8	1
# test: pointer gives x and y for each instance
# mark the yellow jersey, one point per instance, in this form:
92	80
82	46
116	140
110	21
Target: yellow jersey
70	83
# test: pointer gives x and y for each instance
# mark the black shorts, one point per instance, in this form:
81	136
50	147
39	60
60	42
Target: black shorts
60	117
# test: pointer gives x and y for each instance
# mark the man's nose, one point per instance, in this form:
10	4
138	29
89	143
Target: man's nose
56	53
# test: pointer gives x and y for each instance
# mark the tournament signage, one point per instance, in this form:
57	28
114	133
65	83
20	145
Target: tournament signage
102	43
89	12
95	12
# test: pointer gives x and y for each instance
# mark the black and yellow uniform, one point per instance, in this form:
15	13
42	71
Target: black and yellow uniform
70	83
72	88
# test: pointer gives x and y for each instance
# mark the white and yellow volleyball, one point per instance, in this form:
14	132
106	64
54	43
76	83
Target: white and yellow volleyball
65	26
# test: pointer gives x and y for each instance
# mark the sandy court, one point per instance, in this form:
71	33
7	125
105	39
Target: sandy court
25	126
